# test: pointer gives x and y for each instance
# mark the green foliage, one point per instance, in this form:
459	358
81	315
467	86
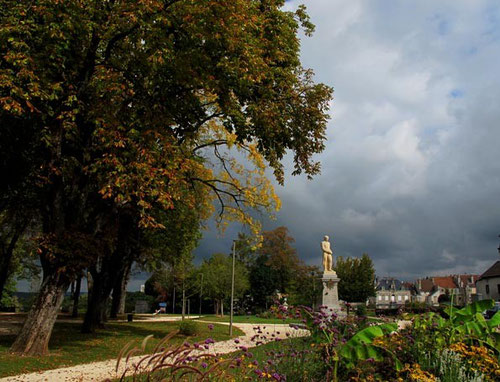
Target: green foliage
217	273
188	328
277	268
360	347
357	276
361	310
246	249
8	299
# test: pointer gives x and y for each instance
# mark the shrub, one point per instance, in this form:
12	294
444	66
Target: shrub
361	310
188	328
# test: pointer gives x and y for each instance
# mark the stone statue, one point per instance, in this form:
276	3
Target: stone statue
327	256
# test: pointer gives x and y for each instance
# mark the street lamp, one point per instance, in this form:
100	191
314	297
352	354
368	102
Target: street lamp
232	292
314	289
201	291
498	247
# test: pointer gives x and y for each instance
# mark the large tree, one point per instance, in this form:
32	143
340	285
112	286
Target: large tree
277	267
132	104
217	276
357	278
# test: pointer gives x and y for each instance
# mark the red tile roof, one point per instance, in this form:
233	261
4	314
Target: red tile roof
426	285
446	282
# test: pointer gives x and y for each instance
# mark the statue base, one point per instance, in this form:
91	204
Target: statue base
331	293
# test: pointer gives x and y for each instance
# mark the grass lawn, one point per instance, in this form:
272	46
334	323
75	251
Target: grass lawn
70	347
249	320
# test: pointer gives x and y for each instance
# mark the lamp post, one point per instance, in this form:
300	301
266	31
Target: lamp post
314	290
498	247
232	292
201	290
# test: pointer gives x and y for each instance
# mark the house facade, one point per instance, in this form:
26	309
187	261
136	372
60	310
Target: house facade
488	285
391	293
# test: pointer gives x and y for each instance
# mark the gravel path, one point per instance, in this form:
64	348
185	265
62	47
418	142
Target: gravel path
100	371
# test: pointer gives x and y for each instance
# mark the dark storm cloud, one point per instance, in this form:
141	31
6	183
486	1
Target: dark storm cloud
411	173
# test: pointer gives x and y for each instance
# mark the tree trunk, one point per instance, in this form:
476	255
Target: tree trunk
97	303
120	293
111	267
222	308
76	296
34	337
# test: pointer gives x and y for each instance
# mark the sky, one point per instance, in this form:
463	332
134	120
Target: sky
411	170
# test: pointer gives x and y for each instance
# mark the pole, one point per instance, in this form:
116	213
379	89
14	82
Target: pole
201	290
173	302
232	293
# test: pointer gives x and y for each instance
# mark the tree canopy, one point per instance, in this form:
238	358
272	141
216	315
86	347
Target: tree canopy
119	109
357	278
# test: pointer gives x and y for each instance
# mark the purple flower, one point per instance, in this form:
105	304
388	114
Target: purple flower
258	372
244	348
236	340
276	376
210	327
209	341
204	365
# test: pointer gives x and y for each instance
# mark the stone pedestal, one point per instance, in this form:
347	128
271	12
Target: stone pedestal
330	291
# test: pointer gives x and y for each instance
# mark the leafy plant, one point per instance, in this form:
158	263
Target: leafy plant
188	328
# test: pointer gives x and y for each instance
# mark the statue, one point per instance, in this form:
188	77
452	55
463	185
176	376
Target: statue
327	256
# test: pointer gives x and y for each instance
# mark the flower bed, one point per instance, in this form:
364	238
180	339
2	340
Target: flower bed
458	346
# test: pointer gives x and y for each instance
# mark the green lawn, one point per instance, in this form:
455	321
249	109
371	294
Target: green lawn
70	347
248	319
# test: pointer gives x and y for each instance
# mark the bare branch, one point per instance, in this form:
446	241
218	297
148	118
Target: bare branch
217	142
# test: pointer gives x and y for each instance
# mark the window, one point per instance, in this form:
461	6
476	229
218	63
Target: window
393	298
498	288
406	298
386	298
487	289
380	298
399	298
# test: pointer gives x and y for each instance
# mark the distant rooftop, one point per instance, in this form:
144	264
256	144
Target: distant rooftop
493	271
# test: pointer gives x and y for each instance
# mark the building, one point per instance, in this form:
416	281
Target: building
488	285
433	290
467	288
391	293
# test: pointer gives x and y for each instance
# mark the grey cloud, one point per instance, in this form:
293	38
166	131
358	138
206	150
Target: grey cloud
411	173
